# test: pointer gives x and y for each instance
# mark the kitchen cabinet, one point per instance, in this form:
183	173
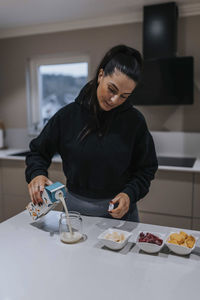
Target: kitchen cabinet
1	200
196	224
173	199
169	201
162	220
196	203
56	173
14	194
14	188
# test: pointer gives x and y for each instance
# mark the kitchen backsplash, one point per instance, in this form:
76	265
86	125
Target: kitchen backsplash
17	138
177	143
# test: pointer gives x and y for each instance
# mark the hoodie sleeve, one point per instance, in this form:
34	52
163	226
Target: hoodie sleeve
42	150
143	166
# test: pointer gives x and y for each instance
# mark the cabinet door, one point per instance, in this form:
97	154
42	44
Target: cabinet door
196	204
56	173
196	224
170	193
13	178
15	194
164	220
13	205
1	198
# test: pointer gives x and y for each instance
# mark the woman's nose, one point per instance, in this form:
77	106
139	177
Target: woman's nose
114	98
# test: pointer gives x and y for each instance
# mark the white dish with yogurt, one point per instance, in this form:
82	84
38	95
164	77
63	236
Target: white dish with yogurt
114	239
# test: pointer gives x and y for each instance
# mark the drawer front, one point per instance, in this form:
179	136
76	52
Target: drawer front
170	193
164	220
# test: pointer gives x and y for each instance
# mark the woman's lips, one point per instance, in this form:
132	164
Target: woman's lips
108	105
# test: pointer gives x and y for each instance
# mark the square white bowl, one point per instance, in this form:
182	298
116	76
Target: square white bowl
112	244
150	247
178	249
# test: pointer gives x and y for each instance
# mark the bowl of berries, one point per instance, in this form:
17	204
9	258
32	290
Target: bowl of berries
150	242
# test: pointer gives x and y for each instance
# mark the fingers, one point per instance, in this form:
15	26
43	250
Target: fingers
123	206
118	212
31	193
49	182
116	199
38	193
36	188
35	194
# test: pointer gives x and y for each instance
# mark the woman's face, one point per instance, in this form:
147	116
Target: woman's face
113	90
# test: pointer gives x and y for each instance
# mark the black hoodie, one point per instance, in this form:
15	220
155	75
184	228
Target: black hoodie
104	163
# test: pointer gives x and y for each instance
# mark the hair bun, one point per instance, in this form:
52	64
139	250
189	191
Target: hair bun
123	49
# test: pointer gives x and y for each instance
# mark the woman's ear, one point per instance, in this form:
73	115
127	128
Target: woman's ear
101	74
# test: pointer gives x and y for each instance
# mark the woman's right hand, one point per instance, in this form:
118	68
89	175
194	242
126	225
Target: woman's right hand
36	188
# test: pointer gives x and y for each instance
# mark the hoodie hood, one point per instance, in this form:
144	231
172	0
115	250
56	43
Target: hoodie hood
100	121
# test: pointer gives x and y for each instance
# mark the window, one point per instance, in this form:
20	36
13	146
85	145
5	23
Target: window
52	83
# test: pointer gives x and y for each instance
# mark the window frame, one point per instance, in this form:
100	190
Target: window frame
33	83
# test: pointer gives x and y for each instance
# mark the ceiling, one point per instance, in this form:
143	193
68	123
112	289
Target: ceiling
23	16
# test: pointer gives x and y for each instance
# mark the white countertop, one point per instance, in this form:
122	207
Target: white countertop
5	154
34	264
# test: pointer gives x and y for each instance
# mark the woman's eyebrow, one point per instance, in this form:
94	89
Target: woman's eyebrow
114	86
117	87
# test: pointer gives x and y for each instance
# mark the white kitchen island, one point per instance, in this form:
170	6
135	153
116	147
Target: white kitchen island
35	265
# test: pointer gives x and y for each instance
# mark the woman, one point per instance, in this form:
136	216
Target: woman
105	146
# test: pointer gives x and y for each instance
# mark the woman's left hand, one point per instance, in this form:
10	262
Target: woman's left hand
123	201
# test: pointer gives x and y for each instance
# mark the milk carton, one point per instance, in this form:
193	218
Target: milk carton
51	193
50	197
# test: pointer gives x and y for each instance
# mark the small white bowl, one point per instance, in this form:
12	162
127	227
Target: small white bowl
150	247
112	244
178	249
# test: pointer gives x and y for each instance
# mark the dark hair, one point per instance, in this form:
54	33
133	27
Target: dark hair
123	58
126	60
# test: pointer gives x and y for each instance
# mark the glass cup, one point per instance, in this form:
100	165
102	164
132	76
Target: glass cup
75	234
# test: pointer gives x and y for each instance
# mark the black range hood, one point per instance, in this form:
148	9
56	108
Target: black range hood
160	31
166	79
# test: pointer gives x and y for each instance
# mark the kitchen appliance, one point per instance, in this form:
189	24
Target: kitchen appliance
166	79
183	162
160	30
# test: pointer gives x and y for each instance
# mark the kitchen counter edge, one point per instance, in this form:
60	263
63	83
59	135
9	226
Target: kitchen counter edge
5	155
